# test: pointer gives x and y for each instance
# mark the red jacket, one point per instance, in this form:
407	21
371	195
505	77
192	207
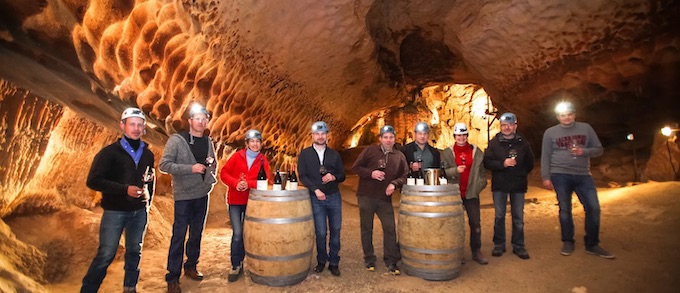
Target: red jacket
232	170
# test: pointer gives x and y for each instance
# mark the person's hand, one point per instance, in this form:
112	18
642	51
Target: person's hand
378	175
242	186
577	151
390	189
460	169
547	184
327	178
134	191
198	168
509	162
319	194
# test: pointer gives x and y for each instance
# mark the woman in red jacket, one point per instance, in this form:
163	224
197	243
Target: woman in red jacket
240	175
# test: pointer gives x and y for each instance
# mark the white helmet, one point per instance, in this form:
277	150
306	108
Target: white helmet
132	112
421	127
564	108
197	108
319	126
253	133
460	128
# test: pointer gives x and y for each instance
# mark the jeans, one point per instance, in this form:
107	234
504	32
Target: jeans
189	214
474	220
236	216
584	186
110	229
331	210
368	206
500	201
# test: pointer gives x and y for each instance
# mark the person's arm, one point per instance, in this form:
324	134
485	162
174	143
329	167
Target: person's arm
491	162
529	160
436	154
402	172
339	168
480	169
168	163
96	178
226	172
546	153
360	166
594	148
303	171
451	167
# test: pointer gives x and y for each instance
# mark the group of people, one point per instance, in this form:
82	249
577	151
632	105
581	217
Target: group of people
123	172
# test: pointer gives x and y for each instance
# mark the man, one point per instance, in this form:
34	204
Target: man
190	158
240	175
324	194
510	159
565	167
464	166
381	169
419	152
123	173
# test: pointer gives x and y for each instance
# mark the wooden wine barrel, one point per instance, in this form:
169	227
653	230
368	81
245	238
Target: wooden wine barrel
278	236
431	231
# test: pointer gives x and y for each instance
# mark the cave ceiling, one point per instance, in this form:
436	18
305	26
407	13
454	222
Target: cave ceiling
280	65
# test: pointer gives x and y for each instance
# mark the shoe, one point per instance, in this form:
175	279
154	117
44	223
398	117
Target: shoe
498	251
235	273
193	274
335	270
129	290
394	269
567	248
173	287
599	251
479	257
370	267
319	267
521	252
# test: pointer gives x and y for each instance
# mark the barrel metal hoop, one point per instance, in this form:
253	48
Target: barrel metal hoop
279	198
430	203
430	194
431	215
280	258
278	220
430	251
430	262
279	281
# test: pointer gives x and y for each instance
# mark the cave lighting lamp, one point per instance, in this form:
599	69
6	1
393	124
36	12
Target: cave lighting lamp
667	131
630	137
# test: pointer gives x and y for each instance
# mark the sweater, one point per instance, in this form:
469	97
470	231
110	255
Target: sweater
177	160
113	170
231	175
556	157
477	180
396	170
308	170
509	179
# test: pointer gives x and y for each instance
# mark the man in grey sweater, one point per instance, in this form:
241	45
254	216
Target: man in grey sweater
190	158
565	167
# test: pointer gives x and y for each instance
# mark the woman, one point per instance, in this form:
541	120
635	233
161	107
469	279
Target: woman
240	175
465	167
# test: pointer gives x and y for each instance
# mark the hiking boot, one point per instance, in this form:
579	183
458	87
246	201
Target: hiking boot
521	252
599	251
193	274
173	287
498	251
394	269
479	257
567	248
319	267
370	267
335	270
235	273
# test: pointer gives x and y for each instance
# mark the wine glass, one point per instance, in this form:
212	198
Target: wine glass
148	175
419	160
573	147
323	171
209	161
512	154
381	165
463	158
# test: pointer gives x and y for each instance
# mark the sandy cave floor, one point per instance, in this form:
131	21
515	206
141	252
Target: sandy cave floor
640	224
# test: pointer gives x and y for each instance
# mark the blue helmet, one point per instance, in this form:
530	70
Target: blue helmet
508	118
319	126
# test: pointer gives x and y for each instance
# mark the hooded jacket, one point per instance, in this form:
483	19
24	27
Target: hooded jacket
231	175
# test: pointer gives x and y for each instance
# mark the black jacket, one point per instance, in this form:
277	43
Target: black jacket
308	170
412	147
113	170
510	179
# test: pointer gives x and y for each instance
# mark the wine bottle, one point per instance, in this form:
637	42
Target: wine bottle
443	180
277	180
419	178
261	177
410	180
292	180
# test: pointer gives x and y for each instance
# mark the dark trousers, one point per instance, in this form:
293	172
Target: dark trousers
584	186
237	214
327	213
368	207
500	201
474	220
189	215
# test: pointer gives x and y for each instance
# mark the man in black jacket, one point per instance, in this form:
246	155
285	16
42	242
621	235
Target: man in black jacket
123	173
510	159
419	154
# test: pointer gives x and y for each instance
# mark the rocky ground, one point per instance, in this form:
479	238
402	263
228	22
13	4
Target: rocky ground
639	225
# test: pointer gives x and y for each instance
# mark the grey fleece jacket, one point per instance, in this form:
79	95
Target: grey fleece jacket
177	161
477	179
